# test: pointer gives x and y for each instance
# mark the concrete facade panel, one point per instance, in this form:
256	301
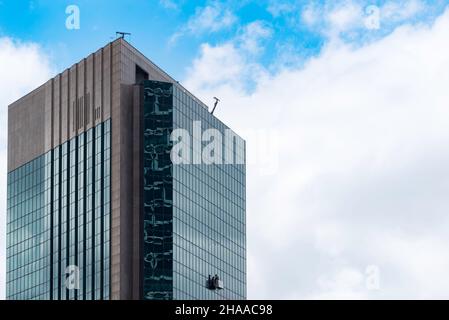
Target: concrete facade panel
73	83
89	90
64	105
26	128
56	111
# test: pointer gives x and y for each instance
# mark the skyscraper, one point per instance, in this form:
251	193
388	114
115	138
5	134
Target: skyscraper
123	185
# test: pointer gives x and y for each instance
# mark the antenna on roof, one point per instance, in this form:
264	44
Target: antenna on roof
122	35
215	105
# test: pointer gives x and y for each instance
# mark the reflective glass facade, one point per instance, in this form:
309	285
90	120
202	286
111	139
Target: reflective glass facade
59	216
28	235
157	191
194	214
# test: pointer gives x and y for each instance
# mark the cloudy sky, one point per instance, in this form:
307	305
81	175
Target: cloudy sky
345	109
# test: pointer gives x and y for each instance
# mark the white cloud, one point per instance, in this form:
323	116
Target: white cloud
310	15
23	67
252	36
207	70
363	173
396	11
208	19
343	284
333	18
169	4
347	18
277	8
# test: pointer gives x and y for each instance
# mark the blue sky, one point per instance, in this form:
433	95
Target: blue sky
344	107
154	23
150	21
